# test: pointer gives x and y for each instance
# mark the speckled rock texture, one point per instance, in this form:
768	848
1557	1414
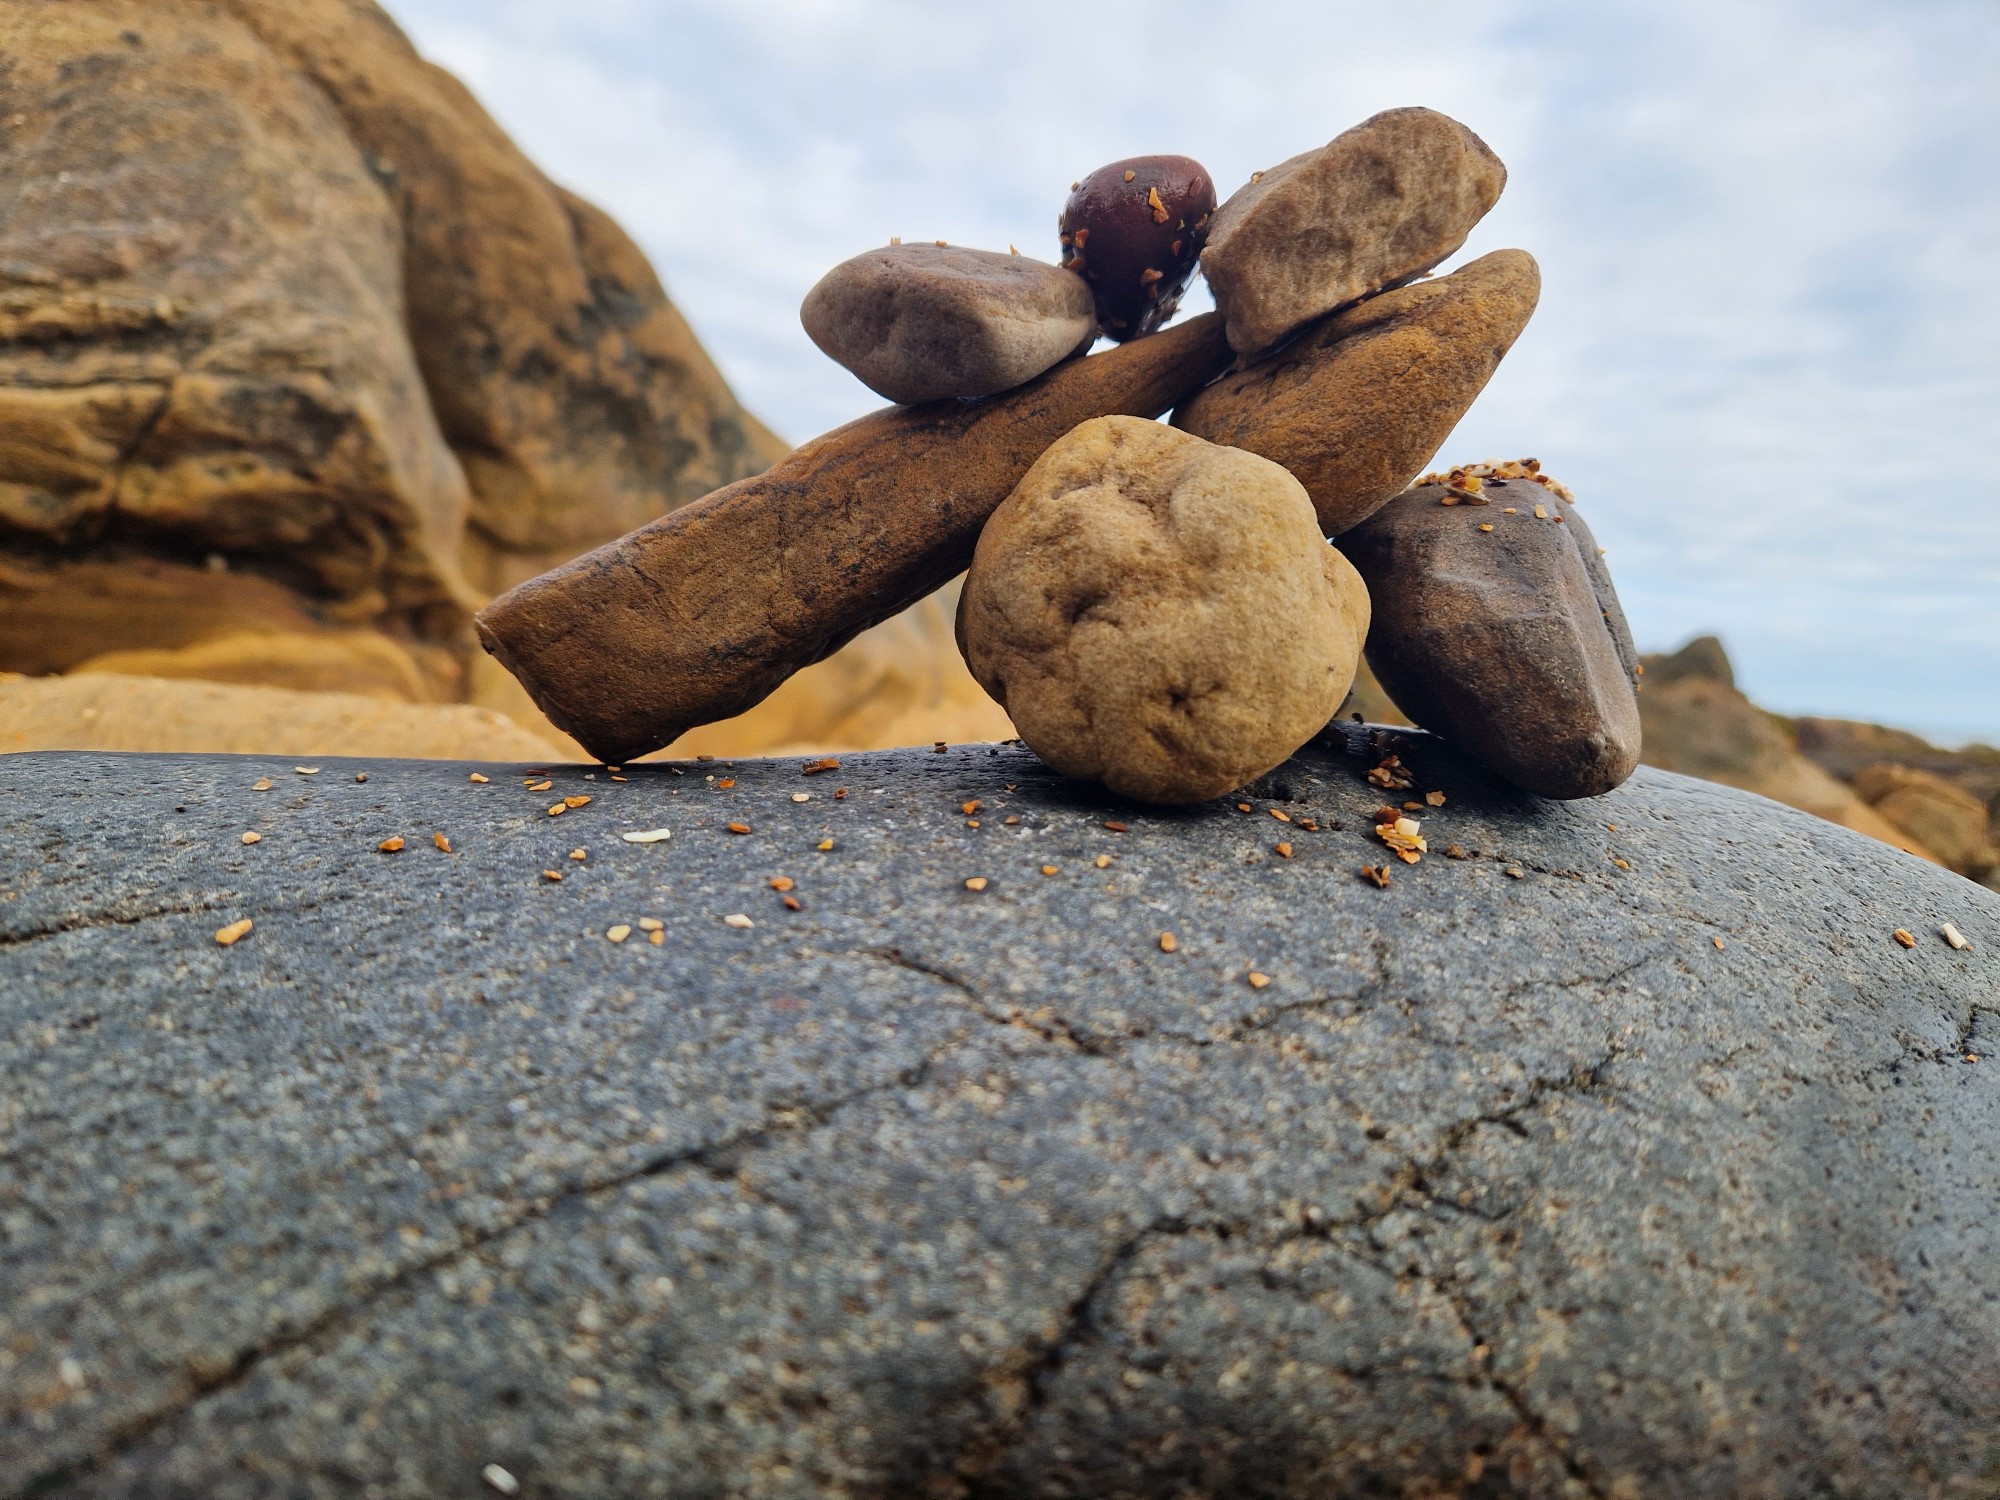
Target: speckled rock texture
1356	406
1160	614
1511	1182
930	322
1373	207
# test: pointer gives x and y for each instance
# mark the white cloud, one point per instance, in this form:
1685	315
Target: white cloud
1768	354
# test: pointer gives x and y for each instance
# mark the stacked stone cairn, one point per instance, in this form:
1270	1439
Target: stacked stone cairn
1157	607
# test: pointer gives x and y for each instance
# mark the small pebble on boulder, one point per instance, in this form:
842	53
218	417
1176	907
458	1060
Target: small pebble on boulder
1491	630
928	322
1375	206
1160	614
1356	407
1134	231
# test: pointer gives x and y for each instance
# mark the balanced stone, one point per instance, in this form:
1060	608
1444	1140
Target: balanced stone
1492	630
1357	406
1134	230
700	614
1375	206
1564	1166
1160	614
928	322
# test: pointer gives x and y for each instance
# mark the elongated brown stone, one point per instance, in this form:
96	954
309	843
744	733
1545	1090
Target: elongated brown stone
700	614
1356	407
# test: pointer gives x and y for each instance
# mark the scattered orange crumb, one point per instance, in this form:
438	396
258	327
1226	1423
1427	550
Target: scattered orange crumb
537	786
576	801
442	842
619	932
1455	851
262	784
253	838
391	845
1243	807
725	784
1103	861
228	935
972	822
1435	799
1622	864
1718	943
1515	872
650	924
1051	869
1011	820
1390	774
739	827
1168	942
814	767
475	776
1130	174
1283	848
975	882
938	747
1115	826
579	855
1485	525
802	796
656	937
969	808
555	875
824	845
1541	513
791	902
1153	202
1257	981
1379	874
782	882
1281	816
557	809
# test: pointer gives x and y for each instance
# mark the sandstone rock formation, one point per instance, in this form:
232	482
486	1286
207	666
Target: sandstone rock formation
113	711
1536	1174
299	357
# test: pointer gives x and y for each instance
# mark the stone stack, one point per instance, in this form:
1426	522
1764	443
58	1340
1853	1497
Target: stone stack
1155	607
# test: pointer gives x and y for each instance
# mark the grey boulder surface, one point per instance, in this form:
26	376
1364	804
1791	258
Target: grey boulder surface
1626	1155
929	322
1370	209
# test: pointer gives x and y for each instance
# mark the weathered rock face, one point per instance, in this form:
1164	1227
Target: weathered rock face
1492	630
1160	614
919	1191
1376	205
1357	406
273	289
930	322
1946	819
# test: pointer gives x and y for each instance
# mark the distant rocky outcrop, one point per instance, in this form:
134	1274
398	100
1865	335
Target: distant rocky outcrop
1886	783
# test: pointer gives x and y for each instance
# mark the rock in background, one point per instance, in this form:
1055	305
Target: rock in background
300	359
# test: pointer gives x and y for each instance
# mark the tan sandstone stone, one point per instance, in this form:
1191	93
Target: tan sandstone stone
1375	206
1357	406
701	614
1160	614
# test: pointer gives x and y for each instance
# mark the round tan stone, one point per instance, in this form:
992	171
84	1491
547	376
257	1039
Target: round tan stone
1160	614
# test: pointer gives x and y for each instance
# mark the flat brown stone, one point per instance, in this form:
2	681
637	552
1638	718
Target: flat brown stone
703	612
1499	640
1357	406
1376	205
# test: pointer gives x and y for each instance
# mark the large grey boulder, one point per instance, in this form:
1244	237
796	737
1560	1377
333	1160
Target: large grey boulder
1513	1181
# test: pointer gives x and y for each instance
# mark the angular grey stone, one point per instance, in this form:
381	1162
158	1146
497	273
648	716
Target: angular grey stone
927	322
1502	1186
1373	207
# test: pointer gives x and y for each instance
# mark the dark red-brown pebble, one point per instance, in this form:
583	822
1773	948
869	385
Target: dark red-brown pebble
1509	643
1134	230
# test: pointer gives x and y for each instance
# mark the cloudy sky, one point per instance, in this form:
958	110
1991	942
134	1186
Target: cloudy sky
1768	351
